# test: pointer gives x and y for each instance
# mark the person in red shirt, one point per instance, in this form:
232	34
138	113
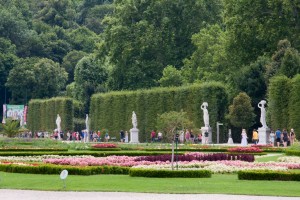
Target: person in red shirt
153	135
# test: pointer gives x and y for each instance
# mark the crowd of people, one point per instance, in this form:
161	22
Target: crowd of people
277	138
184	136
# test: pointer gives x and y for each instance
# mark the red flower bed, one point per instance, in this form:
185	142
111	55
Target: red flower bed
261	145
105	145
245	149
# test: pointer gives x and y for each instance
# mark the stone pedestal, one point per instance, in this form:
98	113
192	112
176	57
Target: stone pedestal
134	135
209	130
230	141
263	135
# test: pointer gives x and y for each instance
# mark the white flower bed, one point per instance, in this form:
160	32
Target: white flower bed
220	167
289	159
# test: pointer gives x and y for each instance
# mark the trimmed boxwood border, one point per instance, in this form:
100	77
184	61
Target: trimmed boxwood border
91	153
268	175
56	169
32	149
154	173
292	152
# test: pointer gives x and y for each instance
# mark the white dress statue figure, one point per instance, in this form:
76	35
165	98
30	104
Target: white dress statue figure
134	120
244	138
58	122
86	138
205	114
261	105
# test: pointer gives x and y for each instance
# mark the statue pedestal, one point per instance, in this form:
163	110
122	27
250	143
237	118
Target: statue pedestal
230	141
134	135
209	130
263	135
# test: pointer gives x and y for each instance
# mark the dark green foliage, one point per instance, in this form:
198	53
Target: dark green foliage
241	111
54	169
143	37
42	114
269	175
33	149
278	106
113	110
294	105
91	153
153	173
292	152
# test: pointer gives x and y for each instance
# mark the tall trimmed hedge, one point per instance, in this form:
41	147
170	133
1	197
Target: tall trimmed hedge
42	114
113	110
278	105
294	105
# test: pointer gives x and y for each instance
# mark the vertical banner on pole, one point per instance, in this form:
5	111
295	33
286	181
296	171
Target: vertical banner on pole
25	114
4	114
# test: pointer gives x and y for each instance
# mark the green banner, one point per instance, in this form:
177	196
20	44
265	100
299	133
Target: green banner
14	111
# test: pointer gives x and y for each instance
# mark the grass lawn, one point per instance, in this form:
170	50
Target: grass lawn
273	157
218	184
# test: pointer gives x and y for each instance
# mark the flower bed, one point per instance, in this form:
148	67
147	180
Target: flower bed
245	149
198	156
104	145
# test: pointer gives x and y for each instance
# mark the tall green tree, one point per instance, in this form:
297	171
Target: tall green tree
209	61
241	112
90	77
36	78
171	77
255	27
70	61
251	80
143	37
285	61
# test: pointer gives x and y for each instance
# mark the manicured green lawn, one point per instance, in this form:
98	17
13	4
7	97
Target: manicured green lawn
269	158
218	184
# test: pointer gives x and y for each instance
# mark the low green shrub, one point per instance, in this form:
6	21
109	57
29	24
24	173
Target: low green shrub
292	152
153	173
32	149
269	175
91	153
191	150
56	169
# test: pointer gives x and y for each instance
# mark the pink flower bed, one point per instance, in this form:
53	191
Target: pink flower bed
125	161
245	149
105	145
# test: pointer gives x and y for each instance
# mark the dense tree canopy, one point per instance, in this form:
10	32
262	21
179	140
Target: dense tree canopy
136	44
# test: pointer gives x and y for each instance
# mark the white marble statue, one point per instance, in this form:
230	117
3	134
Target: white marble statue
87	122
87	129
58	122
262	107
134	120
205	114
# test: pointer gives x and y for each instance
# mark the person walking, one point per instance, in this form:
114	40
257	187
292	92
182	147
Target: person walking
126	137
244	142
278	137
153	135
272	138
255	136
292	137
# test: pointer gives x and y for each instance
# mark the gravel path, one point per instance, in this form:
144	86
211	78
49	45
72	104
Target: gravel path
49	195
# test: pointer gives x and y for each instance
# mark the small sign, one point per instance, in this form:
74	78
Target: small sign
64	174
